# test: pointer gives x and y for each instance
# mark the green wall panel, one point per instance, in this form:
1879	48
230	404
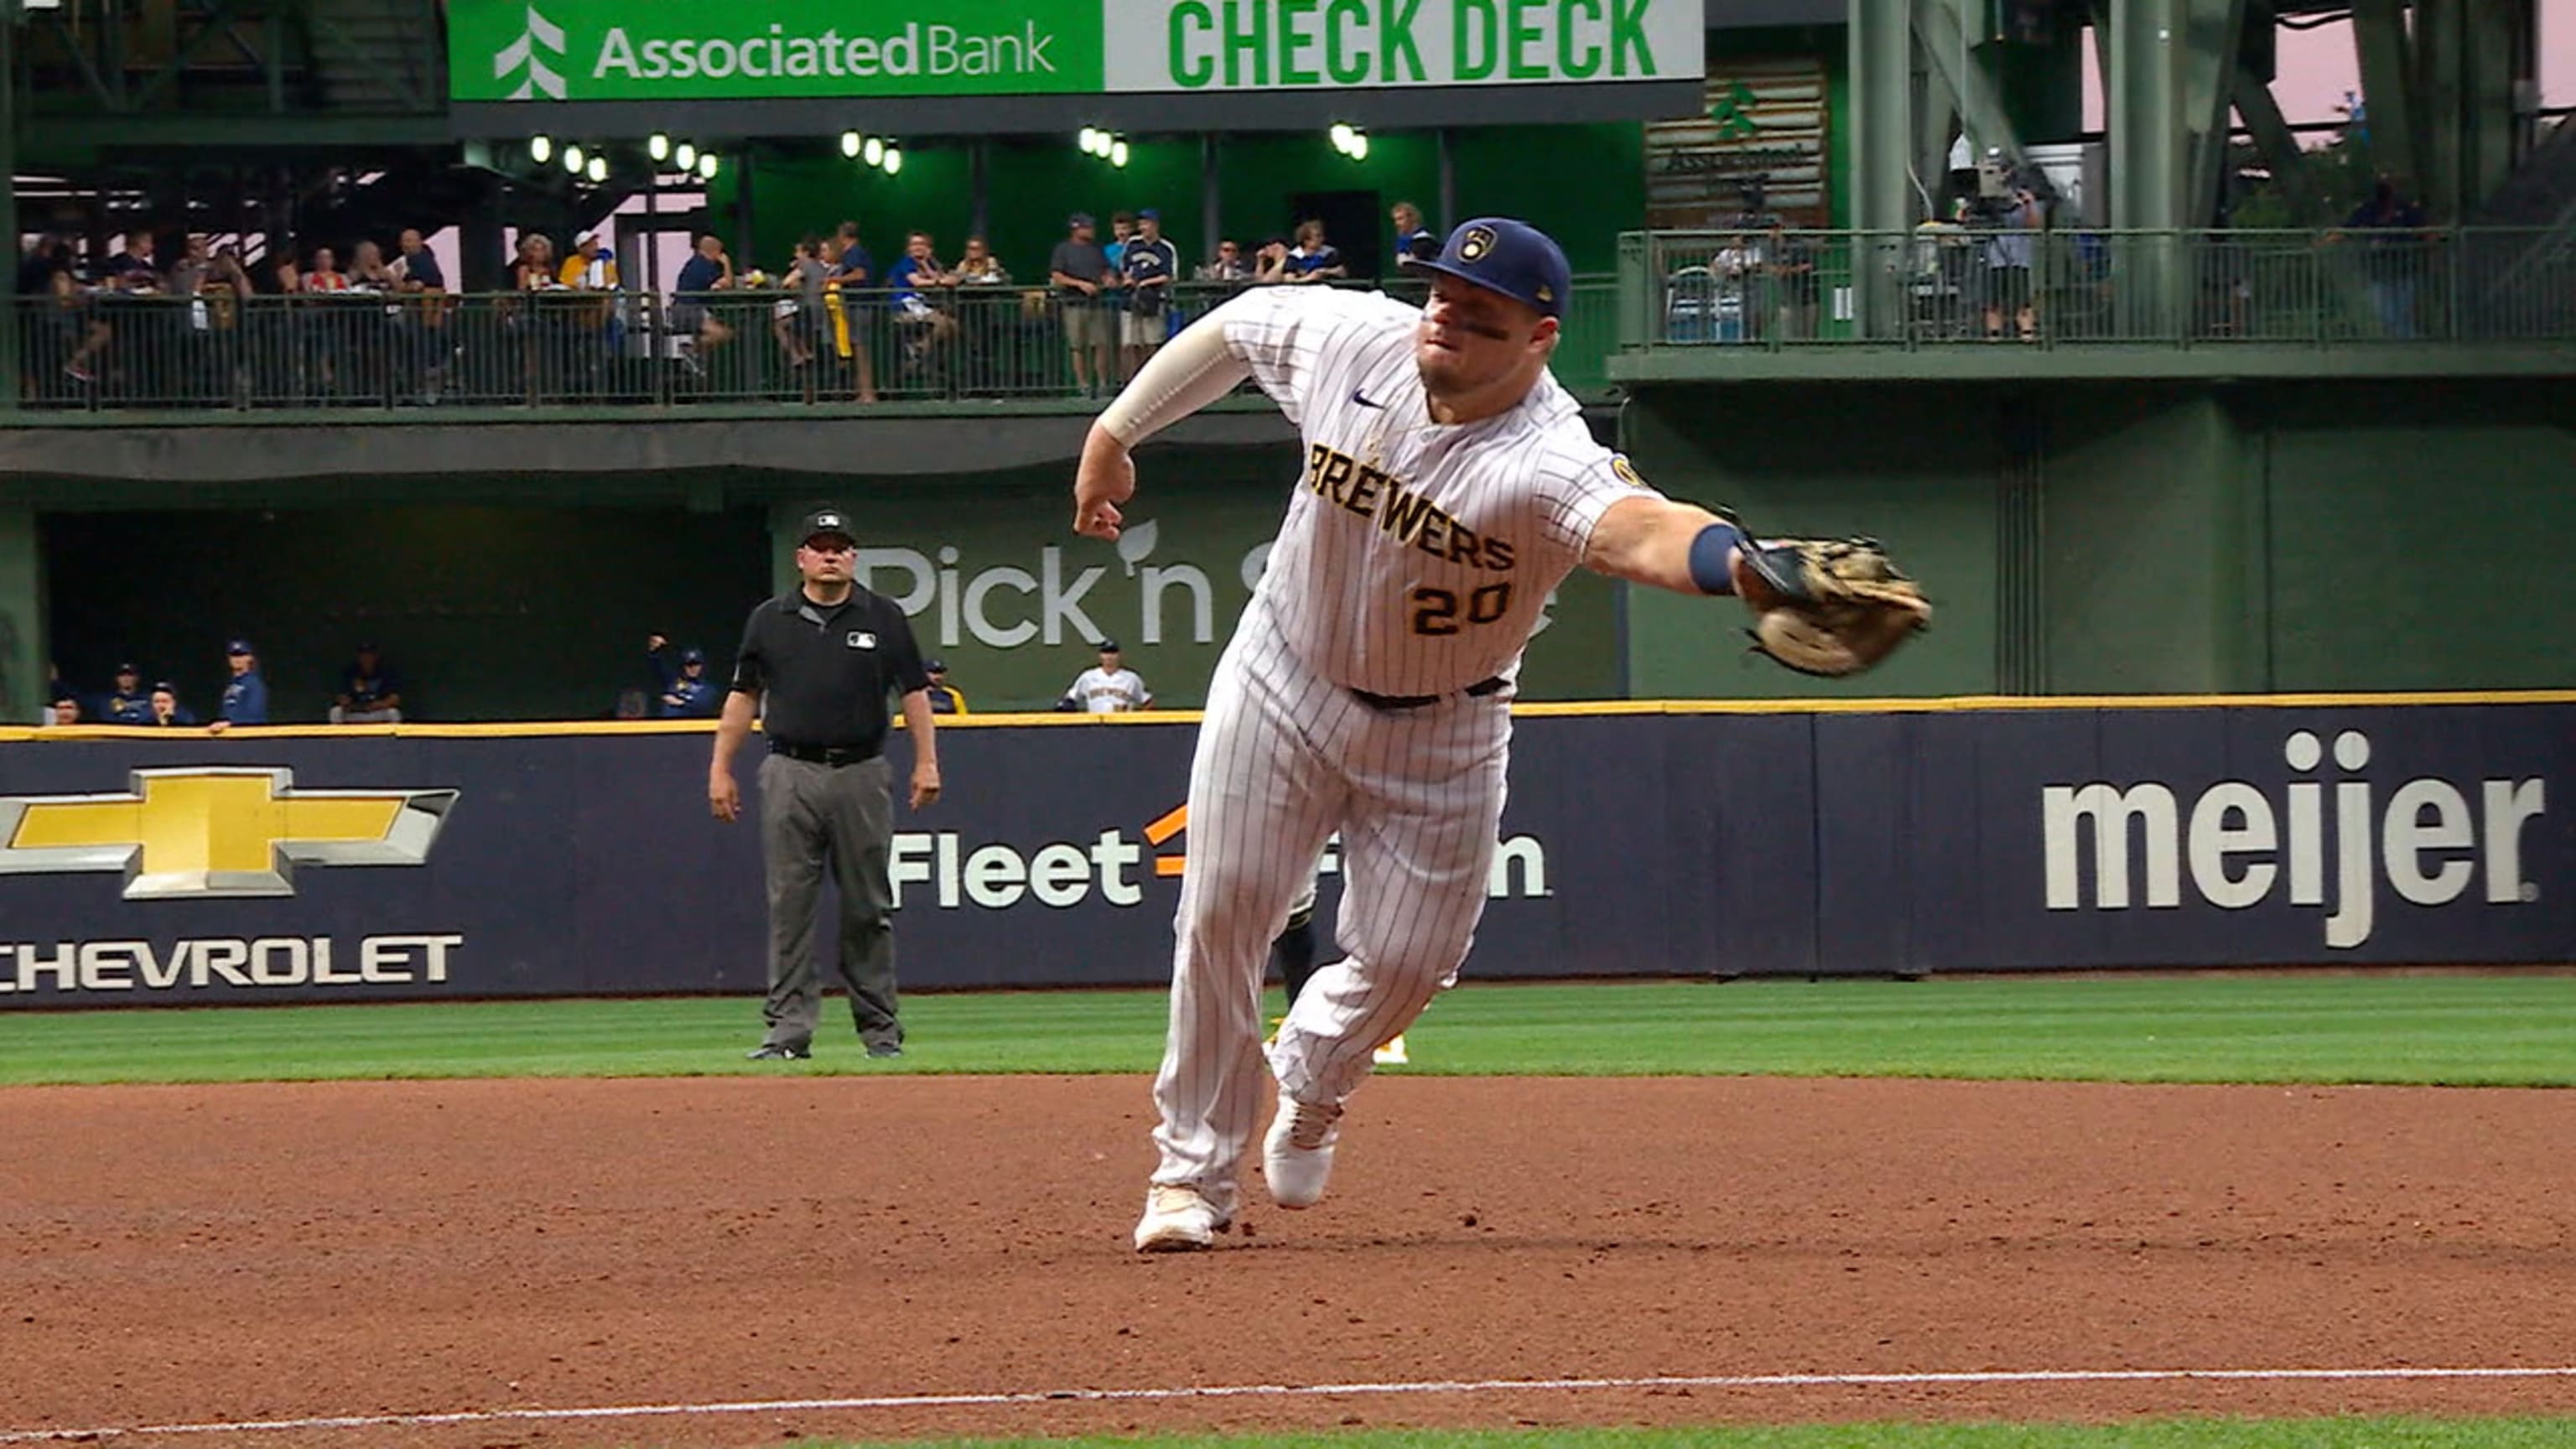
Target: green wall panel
2376	515
2145	563
22	618
1913	467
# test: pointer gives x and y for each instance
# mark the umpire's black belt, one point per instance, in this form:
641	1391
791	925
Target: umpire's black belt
1478	690
835	755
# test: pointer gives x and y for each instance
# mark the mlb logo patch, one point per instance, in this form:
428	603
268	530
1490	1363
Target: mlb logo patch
862	639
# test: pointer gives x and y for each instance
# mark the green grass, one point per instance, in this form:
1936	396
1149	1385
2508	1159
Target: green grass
2445	1029
2349	1433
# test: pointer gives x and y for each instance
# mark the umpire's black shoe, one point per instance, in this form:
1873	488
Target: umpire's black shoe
884	1049
773	1051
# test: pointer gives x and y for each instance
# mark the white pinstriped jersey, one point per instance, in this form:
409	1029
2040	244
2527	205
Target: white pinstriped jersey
1416	557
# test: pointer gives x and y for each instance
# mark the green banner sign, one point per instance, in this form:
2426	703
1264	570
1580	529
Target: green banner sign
636	50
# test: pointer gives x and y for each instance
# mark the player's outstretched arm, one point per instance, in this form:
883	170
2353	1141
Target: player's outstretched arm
1677	546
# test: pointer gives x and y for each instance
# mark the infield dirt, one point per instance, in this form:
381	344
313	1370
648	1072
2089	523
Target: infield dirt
197	1254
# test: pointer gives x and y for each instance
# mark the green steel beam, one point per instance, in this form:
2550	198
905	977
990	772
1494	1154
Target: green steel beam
1882	97
2441	55
9	26
2280	148
63	140
2498	59
2388	87
1948	39
2215	30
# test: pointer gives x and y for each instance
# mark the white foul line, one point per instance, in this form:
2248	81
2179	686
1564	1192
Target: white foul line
1294	1391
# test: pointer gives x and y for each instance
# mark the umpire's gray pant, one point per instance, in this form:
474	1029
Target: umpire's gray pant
809	812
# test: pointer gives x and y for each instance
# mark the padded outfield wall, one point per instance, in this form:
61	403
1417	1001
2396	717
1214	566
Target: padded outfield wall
283	865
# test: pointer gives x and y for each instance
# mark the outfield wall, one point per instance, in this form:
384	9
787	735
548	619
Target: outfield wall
143	867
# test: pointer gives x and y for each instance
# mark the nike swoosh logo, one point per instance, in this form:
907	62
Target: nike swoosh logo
1357	397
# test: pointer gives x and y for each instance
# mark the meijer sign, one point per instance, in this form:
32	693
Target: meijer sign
624	50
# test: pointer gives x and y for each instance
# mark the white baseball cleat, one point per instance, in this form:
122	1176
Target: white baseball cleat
1297	1156
1178	1220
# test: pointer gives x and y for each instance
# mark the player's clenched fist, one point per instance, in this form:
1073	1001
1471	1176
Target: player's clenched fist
1105	479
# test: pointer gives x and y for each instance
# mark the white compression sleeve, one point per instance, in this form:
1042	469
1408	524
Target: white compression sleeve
1183	376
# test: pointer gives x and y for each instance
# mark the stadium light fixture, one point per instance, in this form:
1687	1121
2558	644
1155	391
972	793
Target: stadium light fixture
850	141
687	156
1359	146
874	151
707	166
1088	140
597	170
893	159
541	148
1341	135
572	158
1118	152
659	148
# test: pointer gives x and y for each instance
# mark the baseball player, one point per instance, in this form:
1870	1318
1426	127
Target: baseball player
1450	483
1111	688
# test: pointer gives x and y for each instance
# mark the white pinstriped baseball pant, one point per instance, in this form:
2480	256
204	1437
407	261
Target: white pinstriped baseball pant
1283	760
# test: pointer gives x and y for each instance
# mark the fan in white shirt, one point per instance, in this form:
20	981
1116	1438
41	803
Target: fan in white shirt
1110	688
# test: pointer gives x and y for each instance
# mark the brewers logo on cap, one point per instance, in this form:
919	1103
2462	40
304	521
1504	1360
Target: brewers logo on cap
1473	246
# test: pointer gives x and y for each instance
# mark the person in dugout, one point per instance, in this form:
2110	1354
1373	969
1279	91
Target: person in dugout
945	698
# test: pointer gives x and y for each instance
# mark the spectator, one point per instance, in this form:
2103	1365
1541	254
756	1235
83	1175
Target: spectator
925	325
534	268
63	712
129	703
2011	249
1228	266
369	693
38	264
324	274
245	694
1111	688
1270	264
685	691
708	272
2392	255
853	325
196	265
1078	270
1122	229
945	698
797	323
133	269
979	267
1314	259
166	713
1412	238
368	271
416	269
591	267
1150	263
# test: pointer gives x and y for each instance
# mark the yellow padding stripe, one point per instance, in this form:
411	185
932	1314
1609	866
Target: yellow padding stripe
1058	720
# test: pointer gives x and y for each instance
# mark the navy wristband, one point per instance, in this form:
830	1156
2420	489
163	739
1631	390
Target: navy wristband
1708	557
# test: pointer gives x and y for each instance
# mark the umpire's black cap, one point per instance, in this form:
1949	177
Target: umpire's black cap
826	520
1502	255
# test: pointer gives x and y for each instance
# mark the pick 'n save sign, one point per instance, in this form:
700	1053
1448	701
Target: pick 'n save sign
644	50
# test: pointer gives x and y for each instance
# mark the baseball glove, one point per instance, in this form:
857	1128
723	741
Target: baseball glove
1837	606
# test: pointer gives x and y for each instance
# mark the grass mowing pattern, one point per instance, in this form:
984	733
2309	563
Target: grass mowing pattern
2349	1433
2450	1029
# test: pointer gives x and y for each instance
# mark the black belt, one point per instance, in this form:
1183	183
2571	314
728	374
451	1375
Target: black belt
834	755
1477	690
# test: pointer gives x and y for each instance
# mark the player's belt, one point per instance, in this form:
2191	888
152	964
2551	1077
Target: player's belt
1477	690
824	754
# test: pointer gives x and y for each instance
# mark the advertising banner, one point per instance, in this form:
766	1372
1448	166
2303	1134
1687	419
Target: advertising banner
470	862
629	50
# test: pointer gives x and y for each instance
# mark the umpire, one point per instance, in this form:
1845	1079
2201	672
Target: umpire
817	664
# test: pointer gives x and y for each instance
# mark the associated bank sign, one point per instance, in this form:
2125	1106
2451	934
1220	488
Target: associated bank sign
625	50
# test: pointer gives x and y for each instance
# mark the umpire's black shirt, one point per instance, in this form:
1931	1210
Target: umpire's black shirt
823	671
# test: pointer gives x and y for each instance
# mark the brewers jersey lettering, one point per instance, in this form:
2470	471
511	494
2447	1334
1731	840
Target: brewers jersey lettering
1101	692
1411	566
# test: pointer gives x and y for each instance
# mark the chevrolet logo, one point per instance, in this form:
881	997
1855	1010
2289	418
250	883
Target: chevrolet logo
217	832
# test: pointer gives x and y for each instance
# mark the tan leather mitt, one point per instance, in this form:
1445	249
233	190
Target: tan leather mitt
1840	605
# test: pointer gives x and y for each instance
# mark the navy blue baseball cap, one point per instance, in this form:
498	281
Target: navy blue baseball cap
934	666
1501	255
693	656
239	646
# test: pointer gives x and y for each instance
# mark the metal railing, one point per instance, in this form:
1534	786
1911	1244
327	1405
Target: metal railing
1943	286
563	348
